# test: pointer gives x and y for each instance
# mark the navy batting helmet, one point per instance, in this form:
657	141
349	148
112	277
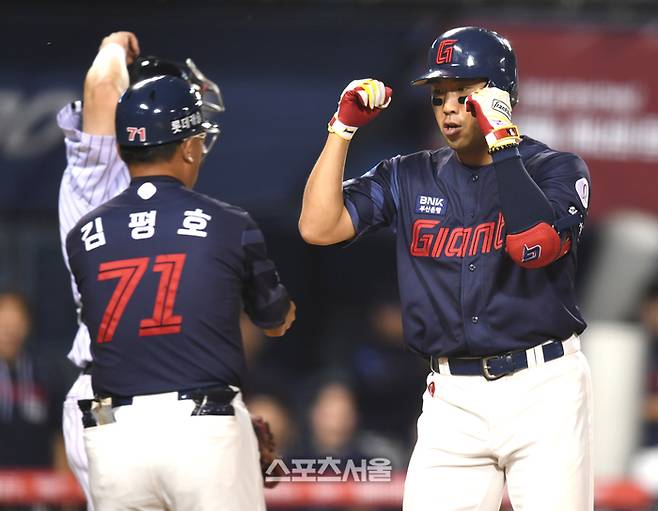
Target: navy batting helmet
160	110
473	52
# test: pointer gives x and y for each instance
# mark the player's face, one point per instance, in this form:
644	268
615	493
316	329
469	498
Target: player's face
458	127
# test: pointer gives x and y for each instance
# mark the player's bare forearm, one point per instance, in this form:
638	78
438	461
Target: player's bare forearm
324	219
106	80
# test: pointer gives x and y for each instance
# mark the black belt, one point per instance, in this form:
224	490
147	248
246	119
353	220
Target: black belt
496	366
216	400
209	401
87	368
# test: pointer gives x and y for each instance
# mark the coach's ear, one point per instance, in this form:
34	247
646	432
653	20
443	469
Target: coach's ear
192	150
184	152
188	158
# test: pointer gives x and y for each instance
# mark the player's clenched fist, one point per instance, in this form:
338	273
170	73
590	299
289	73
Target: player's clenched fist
493	110
361	101
126	40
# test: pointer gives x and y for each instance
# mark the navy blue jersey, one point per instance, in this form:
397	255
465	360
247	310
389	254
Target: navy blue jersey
461	293
163	273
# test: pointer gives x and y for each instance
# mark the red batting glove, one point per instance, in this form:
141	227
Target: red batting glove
492	109
360	102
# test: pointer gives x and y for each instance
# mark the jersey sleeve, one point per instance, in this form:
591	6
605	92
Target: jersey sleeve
94	172
372	199
566	182
266	300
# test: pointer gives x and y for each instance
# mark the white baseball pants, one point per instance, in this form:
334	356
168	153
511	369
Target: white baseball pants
73	433
156	456
531	430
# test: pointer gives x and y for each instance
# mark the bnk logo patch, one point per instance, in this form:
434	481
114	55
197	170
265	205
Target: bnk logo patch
431	205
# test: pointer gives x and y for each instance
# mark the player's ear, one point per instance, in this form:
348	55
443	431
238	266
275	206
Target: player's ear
186	150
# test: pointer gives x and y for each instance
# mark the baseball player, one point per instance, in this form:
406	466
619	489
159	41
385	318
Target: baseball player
95	174
163	274
486	235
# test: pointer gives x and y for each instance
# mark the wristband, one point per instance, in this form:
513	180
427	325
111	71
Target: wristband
108	53
111	61
503	138
342	130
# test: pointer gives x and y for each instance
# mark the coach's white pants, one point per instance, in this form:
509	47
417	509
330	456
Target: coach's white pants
156	456
73	433
531	429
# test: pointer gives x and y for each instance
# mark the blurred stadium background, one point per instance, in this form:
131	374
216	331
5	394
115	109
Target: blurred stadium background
338	383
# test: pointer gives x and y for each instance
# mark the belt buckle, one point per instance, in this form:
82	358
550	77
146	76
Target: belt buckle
484	363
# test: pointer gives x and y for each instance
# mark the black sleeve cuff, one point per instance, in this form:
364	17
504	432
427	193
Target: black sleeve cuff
505	154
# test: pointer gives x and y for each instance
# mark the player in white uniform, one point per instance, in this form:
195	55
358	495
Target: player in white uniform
93	175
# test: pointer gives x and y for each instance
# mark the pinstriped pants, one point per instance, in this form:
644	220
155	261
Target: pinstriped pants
74	433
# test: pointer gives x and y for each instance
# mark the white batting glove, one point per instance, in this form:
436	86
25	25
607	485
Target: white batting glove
360	102
493	110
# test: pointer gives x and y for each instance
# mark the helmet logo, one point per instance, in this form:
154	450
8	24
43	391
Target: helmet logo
444	53
186	123
136	132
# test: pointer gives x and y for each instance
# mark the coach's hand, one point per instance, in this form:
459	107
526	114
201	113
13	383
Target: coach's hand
267	451
493	110
287	323
127	40
360	102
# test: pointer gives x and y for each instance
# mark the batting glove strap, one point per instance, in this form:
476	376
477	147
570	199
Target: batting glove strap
342	130
502	138
360	102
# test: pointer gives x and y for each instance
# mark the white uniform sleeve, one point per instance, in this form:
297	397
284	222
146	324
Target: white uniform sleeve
94	174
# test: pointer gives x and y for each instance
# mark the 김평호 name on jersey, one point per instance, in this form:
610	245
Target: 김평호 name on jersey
142	226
